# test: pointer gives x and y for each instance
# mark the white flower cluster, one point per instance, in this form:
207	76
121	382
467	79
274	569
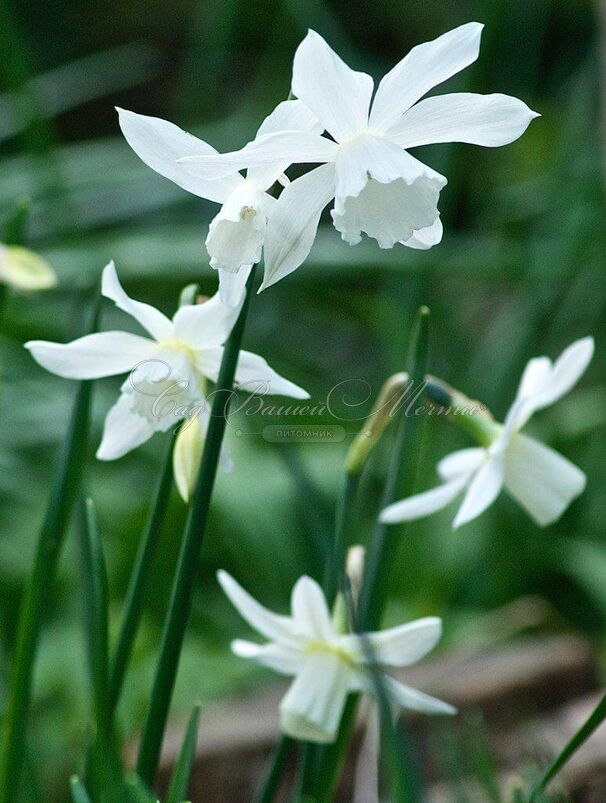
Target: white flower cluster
360	138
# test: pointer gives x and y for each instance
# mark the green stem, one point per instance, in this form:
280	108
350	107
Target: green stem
39	590
400	479
381	553
187	568
271	784
135	596
580	737
335	567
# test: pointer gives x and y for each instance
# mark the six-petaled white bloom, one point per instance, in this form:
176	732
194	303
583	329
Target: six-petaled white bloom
24	270
542	481
236	234
327	665
378	187
167	372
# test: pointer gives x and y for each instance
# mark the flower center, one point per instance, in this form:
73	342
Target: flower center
331	649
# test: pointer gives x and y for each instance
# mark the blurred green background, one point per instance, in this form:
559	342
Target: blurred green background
520	273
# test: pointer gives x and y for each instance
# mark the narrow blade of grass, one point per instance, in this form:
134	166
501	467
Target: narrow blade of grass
270	786
580	737
135	596
400	480
94	585
39	589
182	771
187	568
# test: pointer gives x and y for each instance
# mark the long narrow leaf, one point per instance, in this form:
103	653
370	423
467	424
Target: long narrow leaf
580	737
400	478
180	602
268	790
182	771
94	585
135	597
39	589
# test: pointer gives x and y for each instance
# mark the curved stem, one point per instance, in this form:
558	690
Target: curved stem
183	587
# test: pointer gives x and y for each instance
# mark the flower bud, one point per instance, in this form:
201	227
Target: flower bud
187	455
386	404
24	270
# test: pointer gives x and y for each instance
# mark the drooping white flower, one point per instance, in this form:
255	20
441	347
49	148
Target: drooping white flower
378	187
326	664
236	234
167	371
540	479
24	270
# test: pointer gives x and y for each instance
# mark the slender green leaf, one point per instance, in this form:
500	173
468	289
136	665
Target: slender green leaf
270	786
381	553
135	791
79	793
135	596
580	737
39	589
182	771
94	585
185	577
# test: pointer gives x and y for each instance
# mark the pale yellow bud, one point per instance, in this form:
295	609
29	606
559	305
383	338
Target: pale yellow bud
354	568
187	455
25	270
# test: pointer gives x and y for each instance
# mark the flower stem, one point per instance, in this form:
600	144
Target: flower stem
183	587
135	596
39	589
400	478
272	781
401	474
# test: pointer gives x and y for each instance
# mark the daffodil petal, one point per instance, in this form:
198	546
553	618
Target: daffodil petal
540	479
160	144
268	624
488	120
255	375
309	610
293	222
93	356
281	659
423	504
406	644
426	66
123	431
483	489
290	115
231	285
415	700
206	325
150	318
423	239
282	147
338	96
312	707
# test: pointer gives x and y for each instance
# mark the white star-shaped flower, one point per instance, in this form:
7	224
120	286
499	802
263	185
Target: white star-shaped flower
326	664
377	186
167	372
540	479
236	234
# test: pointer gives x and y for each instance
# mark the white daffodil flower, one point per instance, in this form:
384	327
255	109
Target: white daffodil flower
540	479
236	234
378	187
24	270
326	664
167	372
